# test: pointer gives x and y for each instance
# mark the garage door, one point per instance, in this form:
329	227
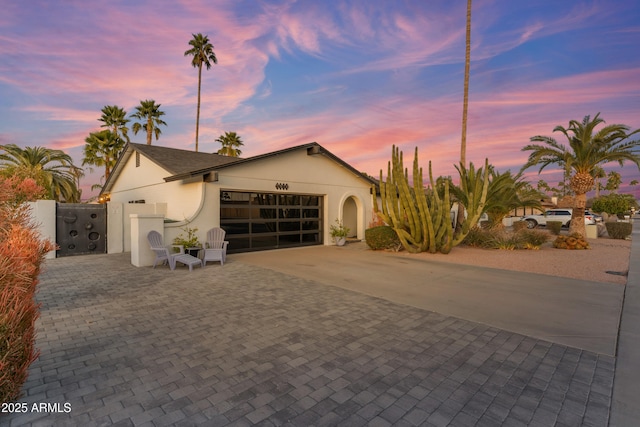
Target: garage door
258	221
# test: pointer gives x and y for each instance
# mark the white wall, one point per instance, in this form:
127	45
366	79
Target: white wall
43	214
146	182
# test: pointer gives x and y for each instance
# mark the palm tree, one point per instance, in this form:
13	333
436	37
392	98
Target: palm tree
465	105
587	149
231	144
614	179
598	174
149	113
114	118
202	52
102	149
52	169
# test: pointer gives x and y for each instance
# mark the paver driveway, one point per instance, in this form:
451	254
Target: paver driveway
245	345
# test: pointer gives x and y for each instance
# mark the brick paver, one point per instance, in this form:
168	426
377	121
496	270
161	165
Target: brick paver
242	345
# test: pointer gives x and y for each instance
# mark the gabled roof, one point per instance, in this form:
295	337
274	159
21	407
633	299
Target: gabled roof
173	160
184	164
312	148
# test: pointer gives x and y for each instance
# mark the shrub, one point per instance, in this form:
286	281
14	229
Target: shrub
614	204
479	238
501	239
619	230
21	254
554	226
382	237
519	225
532	239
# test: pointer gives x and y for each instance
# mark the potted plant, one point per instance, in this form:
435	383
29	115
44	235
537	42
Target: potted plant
190	242
339	233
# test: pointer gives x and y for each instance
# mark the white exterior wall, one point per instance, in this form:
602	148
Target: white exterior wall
146	182
196	204
43	215
306	174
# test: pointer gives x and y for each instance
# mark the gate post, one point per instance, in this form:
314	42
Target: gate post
141	225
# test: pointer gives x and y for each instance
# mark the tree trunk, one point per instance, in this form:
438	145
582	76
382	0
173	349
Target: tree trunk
198	112
149	130
465	108
577	217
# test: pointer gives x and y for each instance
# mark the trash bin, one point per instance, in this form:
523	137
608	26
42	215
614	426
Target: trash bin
592	231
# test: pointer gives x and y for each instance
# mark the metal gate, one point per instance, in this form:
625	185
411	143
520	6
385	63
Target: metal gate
81	229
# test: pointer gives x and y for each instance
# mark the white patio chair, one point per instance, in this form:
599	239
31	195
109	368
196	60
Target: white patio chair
215	247
163	253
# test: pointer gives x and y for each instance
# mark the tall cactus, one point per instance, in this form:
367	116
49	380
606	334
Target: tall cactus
420	218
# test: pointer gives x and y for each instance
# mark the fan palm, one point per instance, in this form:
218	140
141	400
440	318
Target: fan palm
149	113
52	169
231	144
102	149
202	53
588	148
114	118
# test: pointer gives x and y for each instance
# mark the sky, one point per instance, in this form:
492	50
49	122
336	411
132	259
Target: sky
354	76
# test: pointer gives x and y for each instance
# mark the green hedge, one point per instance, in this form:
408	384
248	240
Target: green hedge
382	237
619	230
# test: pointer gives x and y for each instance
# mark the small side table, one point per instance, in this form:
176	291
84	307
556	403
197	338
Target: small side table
195	252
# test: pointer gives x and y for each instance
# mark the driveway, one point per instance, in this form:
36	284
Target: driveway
245	344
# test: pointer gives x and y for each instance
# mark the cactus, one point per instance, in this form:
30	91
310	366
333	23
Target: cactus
422	219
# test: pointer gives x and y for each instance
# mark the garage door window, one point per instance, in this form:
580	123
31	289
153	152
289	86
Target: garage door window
256	221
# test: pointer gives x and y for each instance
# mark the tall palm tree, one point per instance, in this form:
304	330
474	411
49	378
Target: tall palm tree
231	144
587	149
114	118
598	174
102	149
203	54
52	169
149	113
465	105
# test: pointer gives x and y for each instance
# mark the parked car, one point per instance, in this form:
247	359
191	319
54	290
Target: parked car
562	215
596	217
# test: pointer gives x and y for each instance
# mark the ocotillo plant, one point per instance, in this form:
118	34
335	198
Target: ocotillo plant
420	218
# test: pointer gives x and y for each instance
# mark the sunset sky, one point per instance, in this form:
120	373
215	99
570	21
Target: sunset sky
354	76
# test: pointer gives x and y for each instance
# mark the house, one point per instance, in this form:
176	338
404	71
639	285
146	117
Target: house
284	198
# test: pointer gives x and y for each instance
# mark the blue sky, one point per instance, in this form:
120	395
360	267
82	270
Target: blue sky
354	76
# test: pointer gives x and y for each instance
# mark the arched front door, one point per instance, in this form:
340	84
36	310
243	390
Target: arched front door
350	216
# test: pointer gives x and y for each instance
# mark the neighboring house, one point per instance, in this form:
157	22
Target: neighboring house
280	199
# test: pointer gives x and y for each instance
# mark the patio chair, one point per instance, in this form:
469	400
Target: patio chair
215	247
163	253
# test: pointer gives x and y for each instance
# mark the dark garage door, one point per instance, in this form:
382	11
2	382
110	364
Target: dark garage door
258	221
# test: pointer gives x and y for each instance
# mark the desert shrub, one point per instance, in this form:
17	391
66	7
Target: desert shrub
501	239
554	227
519	225
382	237
572	241
508	241
479	238
619	230
532	239
21	254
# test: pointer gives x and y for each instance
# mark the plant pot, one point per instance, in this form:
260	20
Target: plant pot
340	241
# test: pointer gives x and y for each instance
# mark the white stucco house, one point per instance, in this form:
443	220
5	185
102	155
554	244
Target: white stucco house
281	199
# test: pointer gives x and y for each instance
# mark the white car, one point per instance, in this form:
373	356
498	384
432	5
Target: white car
562	215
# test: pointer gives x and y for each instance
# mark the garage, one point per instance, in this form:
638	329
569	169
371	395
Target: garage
258	221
